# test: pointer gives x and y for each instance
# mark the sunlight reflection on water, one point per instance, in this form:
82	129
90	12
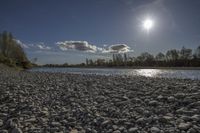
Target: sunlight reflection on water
167	73
149	72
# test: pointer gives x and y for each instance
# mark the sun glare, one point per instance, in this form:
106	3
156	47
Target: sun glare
148	24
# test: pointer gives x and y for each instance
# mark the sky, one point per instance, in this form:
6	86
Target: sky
59	31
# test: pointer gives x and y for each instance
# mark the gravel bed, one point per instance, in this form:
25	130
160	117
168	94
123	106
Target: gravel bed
36	102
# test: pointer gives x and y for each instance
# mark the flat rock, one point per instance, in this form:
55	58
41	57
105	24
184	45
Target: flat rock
133	130
3	131
117	131
184	126
16	130
153	103
1	122
155	130
171	99
141	121
195	118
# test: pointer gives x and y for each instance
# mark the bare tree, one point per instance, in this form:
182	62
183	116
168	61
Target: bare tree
185	53
160	57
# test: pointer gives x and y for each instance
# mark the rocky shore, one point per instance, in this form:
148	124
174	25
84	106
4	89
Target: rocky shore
34	102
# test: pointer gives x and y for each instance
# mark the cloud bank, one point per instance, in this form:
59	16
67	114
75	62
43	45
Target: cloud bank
42	46
82	46
118	48
86	47
78	45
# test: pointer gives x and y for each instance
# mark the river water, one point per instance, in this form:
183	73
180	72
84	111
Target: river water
166	73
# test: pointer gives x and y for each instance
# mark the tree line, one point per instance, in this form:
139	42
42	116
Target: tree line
172	58
11	53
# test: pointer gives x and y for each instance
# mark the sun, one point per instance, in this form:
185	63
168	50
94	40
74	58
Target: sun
148	24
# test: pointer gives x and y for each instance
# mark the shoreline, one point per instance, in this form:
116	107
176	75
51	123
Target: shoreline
57	102
163	68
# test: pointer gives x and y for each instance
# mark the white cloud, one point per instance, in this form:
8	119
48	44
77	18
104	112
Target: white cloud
117	48
43	47
21	44
83	46
78	45
86	47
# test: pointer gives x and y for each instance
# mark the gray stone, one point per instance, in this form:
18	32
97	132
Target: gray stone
115	127
94	131
160	97
121	129
184	126
16	130
141	121
3	131
55	124
1	122
106	122
185	118
171	99
155	130
192	130
117	131
195	117
153	103
33	119
133	130
168	118
12	123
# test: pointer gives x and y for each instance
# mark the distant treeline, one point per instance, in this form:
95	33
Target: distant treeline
172	58
11	53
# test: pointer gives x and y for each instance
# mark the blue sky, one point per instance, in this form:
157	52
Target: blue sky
58	31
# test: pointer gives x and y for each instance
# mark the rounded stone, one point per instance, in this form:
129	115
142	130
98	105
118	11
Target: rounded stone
155	130
133	130
16	130
184	126
117	131
1	122
3	131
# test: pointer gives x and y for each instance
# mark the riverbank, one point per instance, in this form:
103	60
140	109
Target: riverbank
56	102
127	67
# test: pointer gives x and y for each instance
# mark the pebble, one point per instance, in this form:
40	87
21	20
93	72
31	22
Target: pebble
195	118
141	121
192	130
117	131
153	103
1	122
16	130
106	122
171	99
3	131
11	123
160	97
115	127
55	124
133	130
56	102
184	126
155	130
